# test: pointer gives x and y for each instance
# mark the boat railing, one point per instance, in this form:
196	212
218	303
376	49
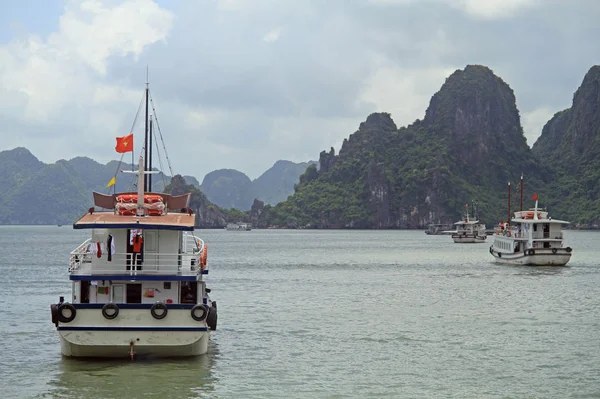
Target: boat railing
82	248
87	263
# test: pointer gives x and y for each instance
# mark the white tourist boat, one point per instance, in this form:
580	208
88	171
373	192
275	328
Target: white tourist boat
238	226
531	237
469	231
138	282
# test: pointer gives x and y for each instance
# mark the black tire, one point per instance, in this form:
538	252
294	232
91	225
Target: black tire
203	309
531	252
107	307
211	318
569	249
71	315
159	306
553	250
54	314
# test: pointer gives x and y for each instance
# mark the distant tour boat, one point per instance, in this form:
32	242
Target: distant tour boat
469	231
239	226
531	237
439	229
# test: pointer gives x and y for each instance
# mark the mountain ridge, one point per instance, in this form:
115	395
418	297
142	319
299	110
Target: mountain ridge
468	146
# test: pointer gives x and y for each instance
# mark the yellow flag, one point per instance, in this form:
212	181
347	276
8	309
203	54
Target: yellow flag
111	182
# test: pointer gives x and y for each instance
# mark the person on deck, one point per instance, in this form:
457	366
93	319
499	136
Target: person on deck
138	244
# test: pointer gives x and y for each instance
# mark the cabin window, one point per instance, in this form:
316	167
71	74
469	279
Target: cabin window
84	295
534	227
546	245
134	293
189	292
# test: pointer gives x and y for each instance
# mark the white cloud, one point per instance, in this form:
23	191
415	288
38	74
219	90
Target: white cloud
272	35
91	32
491	9
60	81
487	9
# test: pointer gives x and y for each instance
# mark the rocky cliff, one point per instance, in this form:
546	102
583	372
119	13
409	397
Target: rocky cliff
570	144
468	146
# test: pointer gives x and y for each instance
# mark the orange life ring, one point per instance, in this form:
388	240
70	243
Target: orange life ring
126	212
203	257
132	198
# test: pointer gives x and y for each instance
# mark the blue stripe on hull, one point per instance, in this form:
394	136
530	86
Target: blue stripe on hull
127	277
132	305
83	328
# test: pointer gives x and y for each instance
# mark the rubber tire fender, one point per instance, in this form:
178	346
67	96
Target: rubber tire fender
155	307
109	306
204	310
211	318
61	317
54	314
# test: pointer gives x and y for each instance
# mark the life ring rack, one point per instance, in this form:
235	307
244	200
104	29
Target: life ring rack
127	204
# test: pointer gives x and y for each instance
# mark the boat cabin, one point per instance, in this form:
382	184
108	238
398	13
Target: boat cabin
139	259
529	230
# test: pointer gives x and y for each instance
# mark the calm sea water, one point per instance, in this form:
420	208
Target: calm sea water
328	314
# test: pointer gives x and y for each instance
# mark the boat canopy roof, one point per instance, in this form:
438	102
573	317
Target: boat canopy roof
110	220
548	220
469	222
535	216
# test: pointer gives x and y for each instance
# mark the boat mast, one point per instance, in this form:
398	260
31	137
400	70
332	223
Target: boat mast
508	202
150	156
146	137
521	190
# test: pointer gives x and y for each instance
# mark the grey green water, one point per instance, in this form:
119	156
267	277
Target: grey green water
329	314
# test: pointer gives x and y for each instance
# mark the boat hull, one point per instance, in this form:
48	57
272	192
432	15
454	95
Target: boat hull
468	239
540	258
90	334
118	344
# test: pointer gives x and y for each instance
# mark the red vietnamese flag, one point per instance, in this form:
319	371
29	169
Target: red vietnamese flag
125	143
534	197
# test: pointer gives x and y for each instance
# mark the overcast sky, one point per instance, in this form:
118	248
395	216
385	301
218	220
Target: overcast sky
241	84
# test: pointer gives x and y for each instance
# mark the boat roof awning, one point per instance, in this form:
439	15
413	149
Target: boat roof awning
110	220
557	221
469	222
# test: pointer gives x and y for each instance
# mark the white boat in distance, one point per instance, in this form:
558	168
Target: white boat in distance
439	229
532	238
469	231
138	282
238	226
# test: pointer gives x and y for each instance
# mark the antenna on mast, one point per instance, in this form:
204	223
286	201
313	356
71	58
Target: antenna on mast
521	191
146	135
